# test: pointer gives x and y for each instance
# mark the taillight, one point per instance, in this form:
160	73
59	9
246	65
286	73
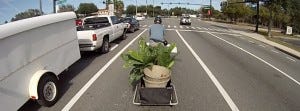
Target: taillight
94	37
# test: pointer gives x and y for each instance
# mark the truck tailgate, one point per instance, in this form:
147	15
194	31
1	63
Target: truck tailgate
85	37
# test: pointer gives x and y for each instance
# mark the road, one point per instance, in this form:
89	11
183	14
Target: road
215	70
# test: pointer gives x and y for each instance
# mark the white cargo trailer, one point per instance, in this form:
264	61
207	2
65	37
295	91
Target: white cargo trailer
33	52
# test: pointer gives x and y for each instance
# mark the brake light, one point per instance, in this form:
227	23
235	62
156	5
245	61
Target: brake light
94	37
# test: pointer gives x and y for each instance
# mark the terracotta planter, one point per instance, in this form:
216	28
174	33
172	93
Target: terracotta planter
156	76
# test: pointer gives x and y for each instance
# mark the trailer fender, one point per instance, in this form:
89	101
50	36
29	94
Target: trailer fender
34	82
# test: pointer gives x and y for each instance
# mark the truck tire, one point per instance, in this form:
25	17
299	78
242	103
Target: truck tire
105	46
48	90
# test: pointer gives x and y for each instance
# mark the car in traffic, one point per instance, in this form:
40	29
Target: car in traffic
140	18
132	24
185	20
98	31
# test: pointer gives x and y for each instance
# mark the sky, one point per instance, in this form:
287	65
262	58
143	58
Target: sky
9	8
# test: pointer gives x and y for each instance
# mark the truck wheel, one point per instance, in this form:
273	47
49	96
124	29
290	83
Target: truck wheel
47	90
123	36
105	46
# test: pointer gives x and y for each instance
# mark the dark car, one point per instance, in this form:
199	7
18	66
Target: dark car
132	22
157	19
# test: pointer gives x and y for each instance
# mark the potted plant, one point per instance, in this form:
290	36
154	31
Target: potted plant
152	63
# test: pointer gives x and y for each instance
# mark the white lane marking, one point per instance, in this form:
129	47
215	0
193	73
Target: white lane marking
288	76
96	76
114	47
262	46
251	42
181	27
193	28
275	51
291	59
168	26
211	76
187	27
199	28
237	35
204	28
175	26
144	25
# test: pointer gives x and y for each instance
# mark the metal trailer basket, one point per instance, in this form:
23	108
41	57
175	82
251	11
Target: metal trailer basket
155	96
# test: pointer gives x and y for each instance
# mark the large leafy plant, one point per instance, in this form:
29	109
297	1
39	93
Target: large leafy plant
146	56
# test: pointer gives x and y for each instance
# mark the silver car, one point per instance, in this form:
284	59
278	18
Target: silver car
185	20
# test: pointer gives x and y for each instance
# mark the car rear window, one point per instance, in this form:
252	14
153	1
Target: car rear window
94	23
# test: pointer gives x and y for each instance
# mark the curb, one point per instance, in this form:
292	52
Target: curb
280	47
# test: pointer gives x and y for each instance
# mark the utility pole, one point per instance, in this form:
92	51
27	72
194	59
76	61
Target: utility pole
146	8
257	16
210	10
153	9
54	6
41	10
135	7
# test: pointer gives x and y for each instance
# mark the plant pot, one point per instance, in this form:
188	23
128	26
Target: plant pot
156	76
155	84
157	72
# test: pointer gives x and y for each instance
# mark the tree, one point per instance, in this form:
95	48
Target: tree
119	7
27	14
87	8
66	8
130	10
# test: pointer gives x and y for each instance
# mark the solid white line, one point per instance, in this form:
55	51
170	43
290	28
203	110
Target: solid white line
262	46
168	26
114	47
291	59
288	76
175	26
211	76
199	28
96	76
144	25
275	51
193	28
187	27
181	27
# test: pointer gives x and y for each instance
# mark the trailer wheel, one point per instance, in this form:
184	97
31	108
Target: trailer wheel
105	46
47	90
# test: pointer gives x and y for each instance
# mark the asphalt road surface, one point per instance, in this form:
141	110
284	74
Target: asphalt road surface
215	70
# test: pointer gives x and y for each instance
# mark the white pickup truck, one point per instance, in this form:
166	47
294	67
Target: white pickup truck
33	52
97	32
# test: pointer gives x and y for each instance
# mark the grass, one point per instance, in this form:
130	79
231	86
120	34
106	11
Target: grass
278	40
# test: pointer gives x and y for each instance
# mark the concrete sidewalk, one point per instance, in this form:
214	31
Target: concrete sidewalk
259	38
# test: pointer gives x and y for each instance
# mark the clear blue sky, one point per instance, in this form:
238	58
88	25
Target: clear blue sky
8	8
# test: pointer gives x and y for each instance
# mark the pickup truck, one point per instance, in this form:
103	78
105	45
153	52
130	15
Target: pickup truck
98	31
34	52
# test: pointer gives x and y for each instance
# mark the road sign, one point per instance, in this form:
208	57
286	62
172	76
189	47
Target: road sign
289	30
59	2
